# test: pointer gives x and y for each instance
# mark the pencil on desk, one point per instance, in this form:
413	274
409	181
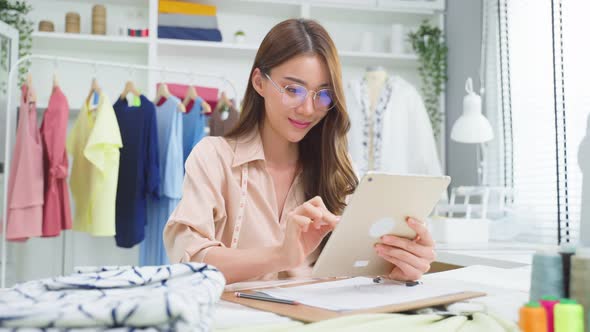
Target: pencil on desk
265	298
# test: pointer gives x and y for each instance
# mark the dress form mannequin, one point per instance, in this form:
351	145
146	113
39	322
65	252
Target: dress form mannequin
375	78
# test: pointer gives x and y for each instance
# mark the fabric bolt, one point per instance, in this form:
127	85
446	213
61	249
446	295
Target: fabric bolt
187	8
176	32
57	215
94	144
210	208
193	126
139	174
403	140
25	182
170	149
188	21
178	297
223	119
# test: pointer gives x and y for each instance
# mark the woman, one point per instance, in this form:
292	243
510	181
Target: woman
259	201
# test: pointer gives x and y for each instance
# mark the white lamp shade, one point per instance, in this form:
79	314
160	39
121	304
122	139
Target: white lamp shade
472	126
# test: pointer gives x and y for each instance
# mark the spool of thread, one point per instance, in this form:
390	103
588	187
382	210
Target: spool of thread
546	275
566	251
548	303
569	316
580	279
533	318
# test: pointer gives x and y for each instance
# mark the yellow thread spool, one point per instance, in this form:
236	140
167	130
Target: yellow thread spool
569	316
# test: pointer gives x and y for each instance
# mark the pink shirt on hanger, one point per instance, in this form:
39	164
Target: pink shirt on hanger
56	210
25	184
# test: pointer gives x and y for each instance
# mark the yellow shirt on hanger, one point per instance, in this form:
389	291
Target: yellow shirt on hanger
94	144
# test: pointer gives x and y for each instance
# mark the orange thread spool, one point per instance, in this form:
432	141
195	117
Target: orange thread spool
533	318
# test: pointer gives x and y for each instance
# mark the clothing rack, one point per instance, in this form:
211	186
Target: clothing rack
8	118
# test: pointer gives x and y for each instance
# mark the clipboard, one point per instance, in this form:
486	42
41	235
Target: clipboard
310	314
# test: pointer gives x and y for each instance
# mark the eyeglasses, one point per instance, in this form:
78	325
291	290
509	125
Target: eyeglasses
294	95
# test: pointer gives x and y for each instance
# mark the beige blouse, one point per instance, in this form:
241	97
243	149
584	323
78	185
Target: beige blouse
209	213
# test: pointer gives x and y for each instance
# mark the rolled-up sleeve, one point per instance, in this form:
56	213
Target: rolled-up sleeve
190	231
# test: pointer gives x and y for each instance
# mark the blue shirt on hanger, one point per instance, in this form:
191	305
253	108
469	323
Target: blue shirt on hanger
139	174
169	119
193	126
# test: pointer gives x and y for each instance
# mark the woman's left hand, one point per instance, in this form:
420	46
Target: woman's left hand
411	258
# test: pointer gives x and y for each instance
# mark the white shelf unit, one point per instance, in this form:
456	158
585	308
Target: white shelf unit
171	47
345	21
40	37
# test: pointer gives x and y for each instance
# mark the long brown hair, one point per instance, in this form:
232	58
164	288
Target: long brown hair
323	152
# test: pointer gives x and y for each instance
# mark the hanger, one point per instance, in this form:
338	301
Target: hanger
163	93
191	94
224	100
32	95
226	106
55	80
206	108
130	88
94	93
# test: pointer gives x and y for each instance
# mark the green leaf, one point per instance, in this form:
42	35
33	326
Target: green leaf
429	45
14	13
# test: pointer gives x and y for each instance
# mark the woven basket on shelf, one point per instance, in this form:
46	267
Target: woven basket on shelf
73	22
99	20
46	26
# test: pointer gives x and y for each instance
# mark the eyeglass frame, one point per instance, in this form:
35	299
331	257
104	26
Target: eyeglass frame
315	93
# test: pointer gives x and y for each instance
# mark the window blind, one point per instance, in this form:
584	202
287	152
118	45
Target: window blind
540	113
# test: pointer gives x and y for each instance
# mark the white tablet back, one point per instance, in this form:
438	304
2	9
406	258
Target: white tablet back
379	206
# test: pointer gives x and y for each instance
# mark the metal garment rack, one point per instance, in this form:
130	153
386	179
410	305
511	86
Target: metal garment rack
9	111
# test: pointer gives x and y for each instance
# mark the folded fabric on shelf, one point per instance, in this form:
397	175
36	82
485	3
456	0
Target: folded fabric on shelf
189	8
188	21
175	32
179	297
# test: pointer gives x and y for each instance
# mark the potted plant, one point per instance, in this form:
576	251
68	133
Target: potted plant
428	43
14	13
239	37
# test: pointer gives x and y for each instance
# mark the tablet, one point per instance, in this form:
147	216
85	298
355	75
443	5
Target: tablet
379	206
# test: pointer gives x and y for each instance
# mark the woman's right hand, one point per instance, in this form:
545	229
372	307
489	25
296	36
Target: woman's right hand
307	225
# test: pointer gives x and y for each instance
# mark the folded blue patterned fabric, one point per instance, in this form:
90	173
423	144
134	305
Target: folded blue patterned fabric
179	297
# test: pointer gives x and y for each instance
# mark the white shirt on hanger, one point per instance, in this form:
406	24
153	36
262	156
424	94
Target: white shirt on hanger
403	140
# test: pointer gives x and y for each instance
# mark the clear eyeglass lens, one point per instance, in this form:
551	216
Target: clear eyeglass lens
294	96
323	100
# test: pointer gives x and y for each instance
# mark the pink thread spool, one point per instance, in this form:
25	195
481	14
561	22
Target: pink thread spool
548	302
